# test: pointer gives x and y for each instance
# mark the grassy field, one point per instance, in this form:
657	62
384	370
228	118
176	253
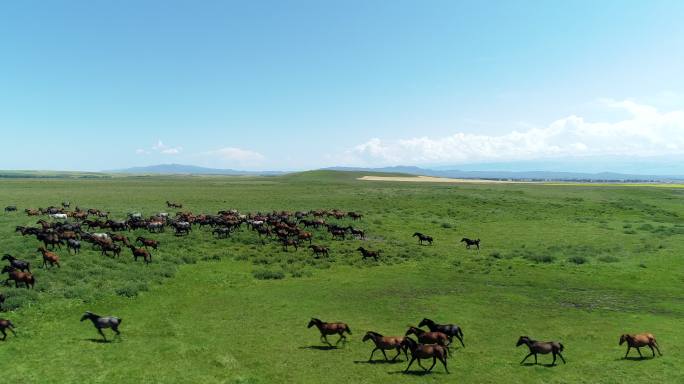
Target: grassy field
576	263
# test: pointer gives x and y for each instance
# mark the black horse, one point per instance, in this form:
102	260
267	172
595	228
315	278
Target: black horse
470	243
11	208
101	322
21	265
422	237
450	330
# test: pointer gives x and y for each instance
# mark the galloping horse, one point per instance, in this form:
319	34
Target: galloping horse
470	243
450	330
6	324
384	343
426	351
18	276
366	253
425	337
422	237
21	265
330	329
49	257
543	347
103	322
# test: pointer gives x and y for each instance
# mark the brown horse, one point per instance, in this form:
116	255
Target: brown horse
330	329
18	276
49	258
366	253
425	337
426	351
6	324
422	237
542	347
319	250
639	340
384	343
140	252
147	242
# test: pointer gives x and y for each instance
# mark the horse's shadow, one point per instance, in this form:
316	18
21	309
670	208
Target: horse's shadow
548	365
320	347
634	358
374	362
415	373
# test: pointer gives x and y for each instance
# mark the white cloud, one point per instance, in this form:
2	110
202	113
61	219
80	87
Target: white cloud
644	132
160	147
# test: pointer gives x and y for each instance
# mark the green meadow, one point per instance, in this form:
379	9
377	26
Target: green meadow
580	264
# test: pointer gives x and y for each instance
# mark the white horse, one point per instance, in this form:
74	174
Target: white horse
58	216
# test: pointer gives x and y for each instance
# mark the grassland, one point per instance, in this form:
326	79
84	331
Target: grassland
579	263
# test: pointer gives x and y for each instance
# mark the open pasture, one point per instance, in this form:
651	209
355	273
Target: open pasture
578	264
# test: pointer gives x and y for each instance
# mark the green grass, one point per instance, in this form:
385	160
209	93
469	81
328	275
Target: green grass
555	264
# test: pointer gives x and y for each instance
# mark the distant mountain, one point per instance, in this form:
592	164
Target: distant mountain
512	175
180	169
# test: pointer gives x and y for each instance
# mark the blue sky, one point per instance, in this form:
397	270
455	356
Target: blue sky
288	85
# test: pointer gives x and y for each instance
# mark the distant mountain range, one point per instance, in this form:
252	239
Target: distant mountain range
180	169
512	175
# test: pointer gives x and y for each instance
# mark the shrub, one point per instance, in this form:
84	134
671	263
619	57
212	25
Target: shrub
265	274
609	259
578	260
539	258
447	225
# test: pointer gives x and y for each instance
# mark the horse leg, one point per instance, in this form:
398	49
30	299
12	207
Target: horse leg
434	361
443	360
639	350
4	334
421	365
554	359
102	333
397	355
562	358
325	340
410	362
528	355
371	356
116	330
655	344
384	354
628	348
535	358
652	350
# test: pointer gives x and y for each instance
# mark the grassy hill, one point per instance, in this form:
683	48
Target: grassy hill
580	264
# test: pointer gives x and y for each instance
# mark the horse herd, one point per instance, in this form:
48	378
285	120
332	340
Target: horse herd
435	343
289	229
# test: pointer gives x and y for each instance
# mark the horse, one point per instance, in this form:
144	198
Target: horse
74	245
140	252
289	242
543	347
6	324
147	242
366	253
221	232
49	257
383	343
21	265
360	233
319	250
11	208
58	216
101	322
450	330
19	276
639	340
422	238
470	243
431	337
338	234
426	351
106	247
182	228
330	329
354	215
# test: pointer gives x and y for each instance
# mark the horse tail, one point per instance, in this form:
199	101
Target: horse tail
561	347
459	332
346	328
